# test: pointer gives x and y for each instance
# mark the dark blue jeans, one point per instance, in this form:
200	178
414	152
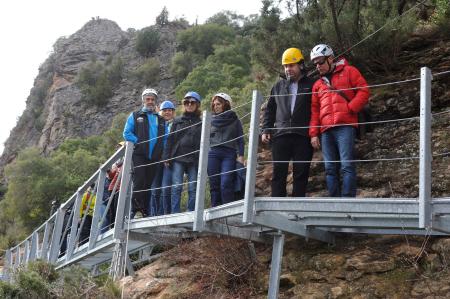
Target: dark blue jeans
221	159
178	171
338	145
160	198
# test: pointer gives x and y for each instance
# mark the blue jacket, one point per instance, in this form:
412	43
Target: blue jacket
143	126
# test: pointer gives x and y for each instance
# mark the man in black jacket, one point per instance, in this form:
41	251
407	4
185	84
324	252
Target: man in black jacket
285	125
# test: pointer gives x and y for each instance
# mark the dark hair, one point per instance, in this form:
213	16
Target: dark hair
226	104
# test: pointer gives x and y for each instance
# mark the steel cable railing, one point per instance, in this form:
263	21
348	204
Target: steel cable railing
193	125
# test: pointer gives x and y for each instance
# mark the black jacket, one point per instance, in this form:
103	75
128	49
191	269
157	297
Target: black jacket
184	141
142	133
278	110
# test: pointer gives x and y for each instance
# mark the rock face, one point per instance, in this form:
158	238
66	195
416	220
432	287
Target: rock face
55	110
356	267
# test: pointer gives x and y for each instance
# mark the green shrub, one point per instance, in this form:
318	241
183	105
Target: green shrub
31	284
183	63
8	290
147	41
97	80
202	39
148	73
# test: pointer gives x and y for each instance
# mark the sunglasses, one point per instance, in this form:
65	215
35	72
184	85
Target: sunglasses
320	62
188	103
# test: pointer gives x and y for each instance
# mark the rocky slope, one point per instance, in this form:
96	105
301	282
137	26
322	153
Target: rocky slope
55	110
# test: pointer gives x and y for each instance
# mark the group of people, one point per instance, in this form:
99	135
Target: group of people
302	115
167	147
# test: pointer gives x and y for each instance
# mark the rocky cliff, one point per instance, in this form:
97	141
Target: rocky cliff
55	110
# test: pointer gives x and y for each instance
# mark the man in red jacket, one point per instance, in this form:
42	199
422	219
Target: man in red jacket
338	96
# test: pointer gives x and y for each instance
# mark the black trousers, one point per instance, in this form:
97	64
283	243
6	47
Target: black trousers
142	180
296	148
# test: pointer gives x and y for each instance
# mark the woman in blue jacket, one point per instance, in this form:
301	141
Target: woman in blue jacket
227	147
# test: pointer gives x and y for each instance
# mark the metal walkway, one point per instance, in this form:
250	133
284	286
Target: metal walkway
261	219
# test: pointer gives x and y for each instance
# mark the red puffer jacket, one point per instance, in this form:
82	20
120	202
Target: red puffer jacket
329	108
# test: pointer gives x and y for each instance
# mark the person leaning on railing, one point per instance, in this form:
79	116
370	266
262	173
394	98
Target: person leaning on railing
227	148
145	128
332	112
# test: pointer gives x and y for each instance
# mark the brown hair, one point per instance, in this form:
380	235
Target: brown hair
226	104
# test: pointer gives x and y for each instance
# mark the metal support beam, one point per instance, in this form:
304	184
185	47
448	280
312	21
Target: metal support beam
8	265
129	265
275	269
123	192
33	247
26	254
236	232
18	259
117	269
425	220
252	156
96	217
202	175
282	223
71	243
56	236
45	241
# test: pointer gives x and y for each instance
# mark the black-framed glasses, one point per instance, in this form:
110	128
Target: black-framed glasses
320	61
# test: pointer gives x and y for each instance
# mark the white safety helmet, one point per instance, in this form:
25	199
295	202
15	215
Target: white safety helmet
149	91
224	96
320	51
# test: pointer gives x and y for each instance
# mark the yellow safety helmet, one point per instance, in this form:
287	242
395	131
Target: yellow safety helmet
292	55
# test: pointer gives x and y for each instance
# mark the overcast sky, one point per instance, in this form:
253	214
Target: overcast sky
28	30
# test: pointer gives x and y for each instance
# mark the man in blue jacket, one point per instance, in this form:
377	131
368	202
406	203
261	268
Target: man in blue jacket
146	129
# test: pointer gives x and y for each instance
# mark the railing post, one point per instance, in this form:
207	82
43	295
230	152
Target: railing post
26	252
199	224
33	249
45	242
56	236
98	202
18	258
123	192
425	220
8	265
74	227
124	201
250	179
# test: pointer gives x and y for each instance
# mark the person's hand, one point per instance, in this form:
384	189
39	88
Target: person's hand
241	160
315	142
167	164
265	138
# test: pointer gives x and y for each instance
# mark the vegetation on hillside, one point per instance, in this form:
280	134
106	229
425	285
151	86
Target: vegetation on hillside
40	280
98	80
34	180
